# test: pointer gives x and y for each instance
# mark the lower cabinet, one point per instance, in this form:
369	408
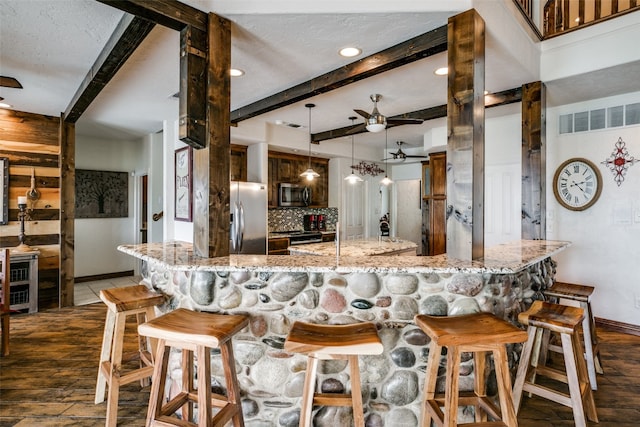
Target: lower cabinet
278	246
23	278
328	237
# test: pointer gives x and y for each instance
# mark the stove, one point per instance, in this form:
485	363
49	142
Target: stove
299	237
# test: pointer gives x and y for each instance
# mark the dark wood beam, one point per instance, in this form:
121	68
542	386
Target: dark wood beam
169	13
497	99
414	49
128	35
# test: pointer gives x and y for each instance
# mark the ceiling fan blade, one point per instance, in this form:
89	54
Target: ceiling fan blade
404	121
416	156
10	82
363	113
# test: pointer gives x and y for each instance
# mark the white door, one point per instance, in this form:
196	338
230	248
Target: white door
502	201
354	209
408	212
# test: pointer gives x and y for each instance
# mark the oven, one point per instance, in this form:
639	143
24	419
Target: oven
302	238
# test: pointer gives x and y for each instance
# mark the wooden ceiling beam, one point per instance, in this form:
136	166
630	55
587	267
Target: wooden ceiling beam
414	49
168	13
505	97
128	35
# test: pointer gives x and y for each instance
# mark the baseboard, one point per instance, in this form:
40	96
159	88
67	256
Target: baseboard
103	276
612	325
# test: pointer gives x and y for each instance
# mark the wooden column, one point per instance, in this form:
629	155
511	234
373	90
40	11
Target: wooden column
211	164
465	144
533	161
67	210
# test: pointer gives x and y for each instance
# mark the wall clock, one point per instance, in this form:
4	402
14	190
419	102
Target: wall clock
577	184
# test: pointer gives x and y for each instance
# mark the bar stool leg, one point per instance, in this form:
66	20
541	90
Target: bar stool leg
309	391
159	379
105	354
480	382
452	379
571	357
356	391
588	401
504	387
233	388
114	371
205	412
187	382
523	367
431	379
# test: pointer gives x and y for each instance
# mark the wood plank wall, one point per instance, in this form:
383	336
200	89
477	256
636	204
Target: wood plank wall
30	141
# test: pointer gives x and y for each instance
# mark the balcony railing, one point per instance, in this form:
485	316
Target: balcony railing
556	17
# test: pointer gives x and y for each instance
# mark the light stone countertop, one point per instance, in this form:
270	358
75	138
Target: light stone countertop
364	247
502	259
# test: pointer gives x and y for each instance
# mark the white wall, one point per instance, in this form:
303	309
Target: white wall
155	197
605	238
96	239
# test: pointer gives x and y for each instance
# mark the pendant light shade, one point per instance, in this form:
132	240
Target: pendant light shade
310	174
386	180
352	178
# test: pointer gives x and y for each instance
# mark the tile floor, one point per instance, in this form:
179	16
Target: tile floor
89	292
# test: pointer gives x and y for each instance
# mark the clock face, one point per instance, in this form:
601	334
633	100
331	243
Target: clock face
577	184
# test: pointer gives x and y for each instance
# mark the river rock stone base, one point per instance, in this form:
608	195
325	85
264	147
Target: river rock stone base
272	379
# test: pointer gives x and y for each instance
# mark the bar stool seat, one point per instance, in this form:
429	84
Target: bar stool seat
121	303
479	333
194	332
320	342
545	317
582	295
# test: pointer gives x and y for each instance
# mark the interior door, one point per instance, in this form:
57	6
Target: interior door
354	202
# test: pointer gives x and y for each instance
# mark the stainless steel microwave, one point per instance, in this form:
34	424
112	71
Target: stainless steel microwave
290	195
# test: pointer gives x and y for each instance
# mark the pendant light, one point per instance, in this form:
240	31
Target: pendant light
310	173
386	180
353	178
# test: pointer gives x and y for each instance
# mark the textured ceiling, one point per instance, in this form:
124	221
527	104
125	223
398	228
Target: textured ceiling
50	47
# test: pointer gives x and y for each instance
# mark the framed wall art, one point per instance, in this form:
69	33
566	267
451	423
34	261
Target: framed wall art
102	194
184	178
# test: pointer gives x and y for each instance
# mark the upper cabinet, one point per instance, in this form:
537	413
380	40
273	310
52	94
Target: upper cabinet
238	163
434	194
286	168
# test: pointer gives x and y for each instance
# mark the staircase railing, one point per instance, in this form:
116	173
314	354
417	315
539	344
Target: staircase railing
560	16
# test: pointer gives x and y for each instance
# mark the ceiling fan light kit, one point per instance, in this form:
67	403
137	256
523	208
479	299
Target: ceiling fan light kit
310	174
376	122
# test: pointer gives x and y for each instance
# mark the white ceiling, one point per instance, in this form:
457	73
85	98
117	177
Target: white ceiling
50	46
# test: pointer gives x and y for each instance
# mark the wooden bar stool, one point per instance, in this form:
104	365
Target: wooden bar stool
565	320
194	332
325	342
136	301
479	333
582	295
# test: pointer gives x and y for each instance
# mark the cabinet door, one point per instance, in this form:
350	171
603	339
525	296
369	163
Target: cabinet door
238	163
272	173
438	163
320	185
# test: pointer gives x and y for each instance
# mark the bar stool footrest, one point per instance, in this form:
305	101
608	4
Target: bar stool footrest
332	399
467	398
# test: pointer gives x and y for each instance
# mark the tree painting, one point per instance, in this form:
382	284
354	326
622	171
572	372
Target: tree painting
101	194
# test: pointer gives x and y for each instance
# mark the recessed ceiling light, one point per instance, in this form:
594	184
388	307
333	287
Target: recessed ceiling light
236	72
443	71
5	105
349	52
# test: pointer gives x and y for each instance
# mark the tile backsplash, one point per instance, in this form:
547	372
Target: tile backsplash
288	219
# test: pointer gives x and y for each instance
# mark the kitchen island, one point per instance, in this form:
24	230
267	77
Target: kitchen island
276	290
364	247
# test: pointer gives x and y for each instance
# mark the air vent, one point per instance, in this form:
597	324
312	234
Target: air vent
610	117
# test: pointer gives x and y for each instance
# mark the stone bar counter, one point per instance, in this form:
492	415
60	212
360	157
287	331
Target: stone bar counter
276	290
364	247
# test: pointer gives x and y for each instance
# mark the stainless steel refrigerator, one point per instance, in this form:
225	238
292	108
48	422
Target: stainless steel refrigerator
248	208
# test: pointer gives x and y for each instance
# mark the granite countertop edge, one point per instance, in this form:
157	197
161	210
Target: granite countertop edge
502	259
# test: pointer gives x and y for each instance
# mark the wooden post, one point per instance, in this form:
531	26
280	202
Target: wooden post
533	161
211	164
465	144
67	211
193	87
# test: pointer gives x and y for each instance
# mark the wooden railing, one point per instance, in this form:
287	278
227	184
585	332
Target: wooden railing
559	16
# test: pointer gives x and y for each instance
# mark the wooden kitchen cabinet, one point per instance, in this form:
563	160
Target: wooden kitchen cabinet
23	279
328	237
238	163
278	246
286	168
434	220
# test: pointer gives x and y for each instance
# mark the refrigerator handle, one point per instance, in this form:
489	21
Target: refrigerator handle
240	227
234	228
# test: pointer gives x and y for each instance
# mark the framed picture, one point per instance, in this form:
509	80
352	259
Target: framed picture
4	190
101	194
183	197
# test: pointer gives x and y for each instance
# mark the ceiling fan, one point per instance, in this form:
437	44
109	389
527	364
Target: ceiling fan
401	155
376	122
